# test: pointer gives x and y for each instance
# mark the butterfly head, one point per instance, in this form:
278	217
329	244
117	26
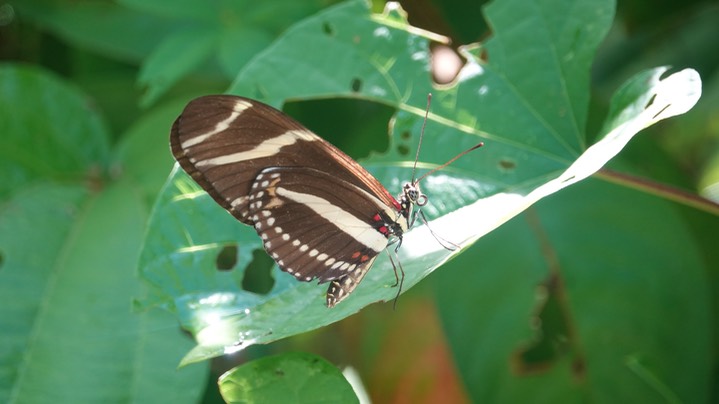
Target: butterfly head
411	196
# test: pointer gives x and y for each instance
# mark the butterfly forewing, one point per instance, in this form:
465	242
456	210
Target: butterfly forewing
224	141
320	214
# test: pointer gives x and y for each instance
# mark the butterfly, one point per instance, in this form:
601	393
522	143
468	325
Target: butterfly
320	214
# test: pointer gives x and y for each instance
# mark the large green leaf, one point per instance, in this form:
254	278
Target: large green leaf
69	240
527	102
170	39
621	312
104	27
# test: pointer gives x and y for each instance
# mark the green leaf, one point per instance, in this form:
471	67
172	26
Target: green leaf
170	39
180	9
233	57
103	27
632	322
49	131
68	251
143	154
527	103
174	57
288	378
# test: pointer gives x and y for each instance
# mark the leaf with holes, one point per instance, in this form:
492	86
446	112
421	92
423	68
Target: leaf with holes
608	298
527	101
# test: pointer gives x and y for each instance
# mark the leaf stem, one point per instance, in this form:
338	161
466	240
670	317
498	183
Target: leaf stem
658	189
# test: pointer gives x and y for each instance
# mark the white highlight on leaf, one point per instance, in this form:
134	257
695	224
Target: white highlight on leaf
382	32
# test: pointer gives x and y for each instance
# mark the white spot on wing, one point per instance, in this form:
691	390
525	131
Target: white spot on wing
238	201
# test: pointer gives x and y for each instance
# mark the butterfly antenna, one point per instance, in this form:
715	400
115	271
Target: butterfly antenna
452	160
421	136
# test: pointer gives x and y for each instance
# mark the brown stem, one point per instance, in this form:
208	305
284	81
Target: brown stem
658	189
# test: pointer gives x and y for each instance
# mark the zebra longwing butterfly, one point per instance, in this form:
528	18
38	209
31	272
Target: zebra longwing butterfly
319	213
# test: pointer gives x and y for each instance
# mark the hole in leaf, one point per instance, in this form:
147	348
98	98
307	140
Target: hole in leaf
507	164
484	55
258	275
406	135
403	150
446	64
356	85
2	259
551	340
328	29
650	102
355	126
661	111
227	258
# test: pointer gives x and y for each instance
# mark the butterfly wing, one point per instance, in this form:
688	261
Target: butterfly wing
225	141
318	226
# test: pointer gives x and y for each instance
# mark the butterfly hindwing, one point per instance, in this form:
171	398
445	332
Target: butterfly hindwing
341	287
315	225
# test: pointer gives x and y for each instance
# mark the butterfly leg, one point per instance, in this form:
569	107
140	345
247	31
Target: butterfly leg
399	279
446	244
